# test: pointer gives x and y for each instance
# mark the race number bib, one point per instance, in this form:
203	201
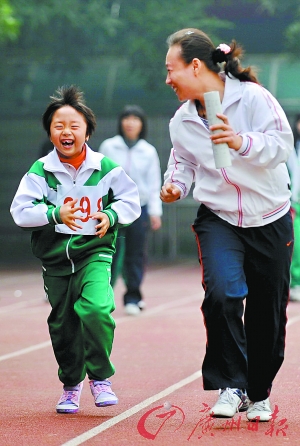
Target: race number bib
90	201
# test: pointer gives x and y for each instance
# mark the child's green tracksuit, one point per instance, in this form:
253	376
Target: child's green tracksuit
76	265
294	170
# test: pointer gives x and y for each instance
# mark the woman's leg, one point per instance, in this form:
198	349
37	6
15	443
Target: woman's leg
267	268
221	254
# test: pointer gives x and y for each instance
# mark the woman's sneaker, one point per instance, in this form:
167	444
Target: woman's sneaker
132	309
102	393
229	403
69	400
259	411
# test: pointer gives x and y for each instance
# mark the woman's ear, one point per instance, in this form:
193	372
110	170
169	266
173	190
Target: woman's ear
87	138
196	65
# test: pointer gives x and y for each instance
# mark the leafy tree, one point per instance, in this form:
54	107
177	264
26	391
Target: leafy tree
67	32
60	36
9	25
67	35
63	37
292	33
144	27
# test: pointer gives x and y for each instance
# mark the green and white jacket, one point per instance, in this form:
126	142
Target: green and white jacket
99	184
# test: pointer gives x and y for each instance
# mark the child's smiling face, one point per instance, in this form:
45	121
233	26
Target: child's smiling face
68	131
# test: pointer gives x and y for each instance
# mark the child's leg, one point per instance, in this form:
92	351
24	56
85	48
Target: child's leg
94	306
65	330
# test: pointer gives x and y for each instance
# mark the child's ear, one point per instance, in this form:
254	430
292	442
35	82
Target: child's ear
87	138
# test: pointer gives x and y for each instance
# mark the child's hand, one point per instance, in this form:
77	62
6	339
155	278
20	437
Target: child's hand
67	214
102	227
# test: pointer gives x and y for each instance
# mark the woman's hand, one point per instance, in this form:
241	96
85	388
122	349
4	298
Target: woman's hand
169	193
227	135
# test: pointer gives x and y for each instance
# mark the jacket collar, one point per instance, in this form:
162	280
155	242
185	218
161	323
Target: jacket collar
52	162
232	93
122	143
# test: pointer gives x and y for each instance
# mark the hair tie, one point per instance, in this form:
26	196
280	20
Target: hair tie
224	48
220	54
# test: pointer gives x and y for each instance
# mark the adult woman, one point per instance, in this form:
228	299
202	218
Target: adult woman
243	226
140	161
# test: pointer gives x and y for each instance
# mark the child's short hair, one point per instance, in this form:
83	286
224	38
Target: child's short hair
72	96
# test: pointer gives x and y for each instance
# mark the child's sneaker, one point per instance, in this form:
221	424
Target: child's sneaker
69	401
102	393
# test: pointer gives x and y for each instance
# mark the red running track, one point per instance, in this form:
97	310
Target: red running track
158	358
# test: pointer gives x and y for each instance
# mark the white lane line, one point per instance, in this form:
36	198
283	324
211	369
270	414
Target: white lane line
18	305
10	279
292	320
147	313
24	351
157	309
133	410
160	308
128	413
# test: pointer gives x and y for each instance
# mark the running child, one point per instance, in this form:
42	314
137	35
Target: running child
73	200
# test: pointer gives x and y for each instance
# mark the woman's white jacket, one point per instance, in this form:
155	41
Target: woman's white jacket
255	189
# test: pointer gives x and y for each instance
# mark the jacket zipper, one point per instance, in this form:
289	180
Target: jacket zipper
68	255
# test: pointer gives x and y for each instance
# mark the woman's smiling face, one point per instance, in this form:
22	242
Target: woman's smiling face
68	131
180	76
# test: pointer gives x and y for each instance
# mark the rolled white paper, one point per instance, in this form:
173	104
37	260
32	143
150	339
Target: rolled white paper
213	106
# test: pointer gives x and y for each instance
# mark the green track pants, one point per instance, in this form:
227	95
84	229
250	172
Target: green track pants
80	323
295	266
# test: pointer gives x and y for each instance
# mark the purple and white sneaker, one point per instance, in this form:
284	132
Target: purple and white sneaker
69	400
102	393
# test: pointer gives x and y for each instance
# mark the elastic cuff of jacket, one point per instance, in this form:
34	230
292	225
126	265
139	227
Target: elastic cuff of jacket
112	215
54	216
245	147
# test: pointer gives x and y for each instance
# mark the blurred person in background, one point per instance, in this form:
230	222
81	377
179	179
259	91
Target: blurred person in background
294	169
140	161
